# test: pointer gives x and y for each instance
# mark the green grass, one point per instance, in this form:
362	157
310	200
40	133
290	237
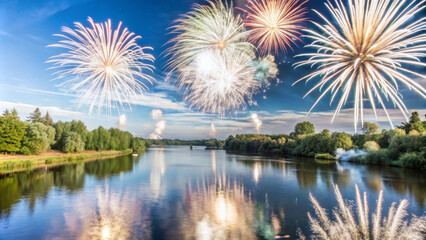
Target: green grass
8	166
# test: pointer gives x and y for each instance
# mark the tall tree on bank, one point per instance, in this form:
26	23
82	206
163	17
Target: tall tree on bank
35	116
47	120
12	131
304	128
415	123
370	128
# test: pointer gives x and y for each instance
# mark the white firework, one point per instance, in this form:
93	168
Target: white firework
210	54
221	83
103	67
367	49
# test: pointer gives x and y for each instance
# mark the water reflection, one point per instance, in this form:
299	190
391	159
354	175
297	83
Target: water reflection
158	168
309	172
217	210
104	169
175	193
108	214
402	181
34	186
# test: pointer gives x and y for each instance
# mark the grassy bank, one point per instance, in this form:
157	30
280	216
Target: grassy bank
16	163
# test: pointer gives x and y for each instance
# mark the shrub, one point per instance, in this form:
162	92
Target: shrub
413	160
377	157
371	146
326	156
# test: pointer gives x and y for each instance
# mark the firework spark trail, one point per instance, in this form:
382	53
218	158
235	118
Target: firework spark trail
160	125
106	67
212	130
368	48
211	58
256	121
275	25
122	121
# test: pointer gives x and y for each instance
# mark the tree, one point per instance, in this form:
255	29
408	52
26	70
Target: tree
101	139
79	128
38	138
342	140
61	129
12	131
47	120
138	145
304	128
370	128
72	143
35	116
415	123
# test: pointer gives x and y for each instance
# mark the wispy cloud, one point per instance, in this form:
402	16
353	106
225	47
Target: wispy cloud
25	109
153	100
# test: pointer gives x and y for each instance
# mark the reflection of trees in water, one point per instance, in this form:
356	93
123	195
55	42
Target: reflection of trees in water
111	215
69	177
400	180
307	171
106	168
36	185
31	186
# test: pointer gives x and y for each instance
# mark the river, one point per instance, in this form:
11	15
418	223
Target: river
175	193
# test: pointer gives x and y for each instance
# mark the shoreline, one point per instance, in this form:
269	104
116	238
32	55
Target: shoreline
19	163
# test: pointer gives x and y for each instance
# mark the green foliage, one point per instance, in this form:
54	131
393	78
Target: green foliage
72	143
214	143
101	139
404	151
413	160
370	128
12	131
138	145
380	157
342	140
415	123
35	117
384	141
304	128
326	156
47	120
371	146
38	138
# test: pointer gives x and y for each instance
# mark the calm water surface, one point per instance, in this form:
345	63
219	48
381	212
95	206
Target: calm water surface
175	193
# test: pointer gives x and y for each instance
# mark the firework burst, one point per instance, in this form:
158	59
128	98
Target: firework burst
367	51
211	58
106	67
275	25
221	83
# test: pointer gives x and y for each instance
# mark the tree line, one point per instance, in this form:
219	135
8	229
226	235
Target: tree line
40	134
404	146
177	142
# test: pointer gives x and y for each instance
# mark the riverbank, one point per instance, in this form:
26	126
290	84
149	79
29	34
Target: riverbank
17	163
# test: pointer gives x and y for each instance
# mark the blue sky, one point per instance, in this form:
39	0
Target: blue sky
27	27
